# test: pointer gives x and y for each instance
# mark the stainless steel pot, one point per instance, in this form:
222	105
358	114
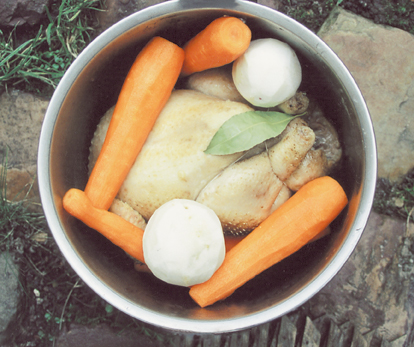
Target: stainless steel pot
91	85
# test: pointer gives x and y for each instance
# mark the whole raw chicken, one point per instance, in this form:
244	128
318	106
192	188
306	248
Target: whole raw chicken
242	188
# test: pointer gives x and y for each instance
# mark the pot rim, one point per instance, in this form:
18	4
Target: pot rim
186	324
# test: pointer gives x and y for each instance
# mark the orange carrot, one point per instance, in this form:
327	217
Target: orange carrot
116	229
285	231
231	241
144	93
220	43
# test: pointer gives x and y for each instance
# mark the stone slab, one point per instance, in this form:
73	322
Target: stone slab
19	12
9	293
380	58
22	184
21	117
373	289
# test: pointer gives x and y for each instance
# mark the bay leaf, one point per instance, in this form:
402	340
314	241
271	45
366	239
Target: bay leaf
245	130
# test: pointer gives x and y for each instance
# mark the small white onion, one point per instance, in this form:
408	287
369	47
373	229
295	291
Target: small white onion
183	242
268	73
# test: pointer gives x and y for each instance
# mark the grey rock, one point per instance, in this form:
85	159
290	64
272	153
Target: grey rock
287	333
399	342
115	10
358	340
9	293
372	289
21	117
22	184
311	335
380	60
19	12
239	339
262	333
335	337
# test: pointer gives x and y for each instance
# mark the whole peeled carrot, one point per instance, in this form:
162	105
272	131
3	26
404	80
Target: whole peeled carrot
220	43
144	93
285	231
116	229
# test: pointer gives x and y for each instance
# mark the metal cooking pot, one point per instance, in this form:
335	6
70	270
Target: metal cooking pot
91	86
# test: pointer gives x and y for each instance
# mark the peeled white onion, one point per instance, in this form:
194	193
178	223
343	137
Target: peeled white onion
268	73
183	242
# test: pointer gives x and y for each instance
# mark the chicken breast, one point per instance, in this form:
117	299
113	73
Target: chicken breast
243	194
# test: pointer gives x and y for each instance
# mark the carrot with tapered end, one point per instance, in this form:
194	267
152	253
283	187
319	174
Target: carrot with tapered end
116	229
220	43
284	232
144	93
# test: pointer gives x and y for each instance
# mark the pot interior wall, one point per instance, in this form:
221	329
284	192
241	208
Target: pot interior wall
96	89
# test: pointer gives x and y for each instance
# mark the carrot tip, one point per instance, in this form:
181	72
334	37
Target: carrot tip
220	43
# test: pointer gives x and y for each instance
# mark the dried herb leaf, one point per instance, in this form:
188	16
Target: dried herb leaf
245	130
